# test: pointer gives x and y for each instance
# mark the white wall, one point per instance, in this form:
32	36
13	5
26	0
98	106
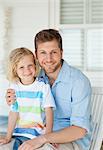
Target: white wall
23	20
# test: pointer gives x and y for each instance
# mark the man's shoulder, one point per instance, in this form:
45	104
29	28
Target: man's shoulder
74	72
71	69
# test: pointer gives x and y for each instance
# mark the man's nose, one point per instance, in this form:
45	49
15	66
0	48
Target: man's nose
49	57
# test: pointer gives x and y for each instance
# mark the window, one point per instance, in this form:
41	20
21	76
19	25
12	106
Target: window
95	49
73	53
80	23
81	26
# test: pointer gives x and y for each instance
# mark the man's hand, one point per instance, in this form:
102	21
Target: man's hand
10	96
33	144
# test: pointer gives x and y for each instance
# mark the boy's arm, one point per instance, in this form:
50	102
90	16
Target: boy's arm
49	119
11	125
13	116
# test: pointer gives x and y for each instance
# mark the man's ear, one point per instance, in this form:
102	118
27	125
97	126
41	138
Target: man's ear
62	53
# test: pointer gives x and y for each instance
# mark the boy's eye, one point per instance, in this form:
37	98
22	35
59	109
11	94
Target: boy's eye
21	67
30	65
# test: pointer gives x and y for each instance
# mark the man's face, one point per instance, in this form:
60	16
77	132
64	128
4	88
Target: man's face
49	56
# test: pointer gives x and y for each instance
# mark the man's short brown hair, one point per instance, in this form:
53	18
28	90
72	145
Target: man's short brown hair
48	35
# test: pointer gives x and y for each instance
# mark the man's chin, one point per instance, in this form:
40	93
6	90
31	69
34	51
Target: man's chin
49	71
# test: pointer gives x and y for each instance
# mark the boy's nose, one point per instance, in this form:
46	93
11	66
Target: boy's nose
26	71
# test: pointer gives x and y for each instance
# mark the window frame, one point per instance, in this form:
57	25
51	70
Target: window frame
95	76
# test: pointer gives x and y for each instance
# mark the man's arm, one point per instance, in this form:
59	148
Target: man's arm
66	135
10	96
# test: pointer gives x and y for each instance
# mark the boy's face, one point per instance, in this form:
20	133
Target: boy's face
26	69
49	56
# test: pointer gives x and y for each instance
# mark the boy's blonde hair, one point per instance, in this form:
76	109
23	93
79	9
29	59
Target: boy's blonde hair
15	56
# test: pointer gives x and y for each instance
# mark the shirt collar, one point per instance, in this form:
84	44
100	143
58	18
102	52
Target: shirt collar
64	72
42	76
61	76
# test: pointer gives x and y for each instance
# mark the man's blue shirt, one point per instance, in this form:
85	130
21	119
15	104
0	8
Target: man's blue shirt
72	93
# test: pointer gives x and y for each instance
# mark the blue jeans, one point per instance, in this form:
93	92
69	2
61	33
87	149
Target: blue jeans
18	141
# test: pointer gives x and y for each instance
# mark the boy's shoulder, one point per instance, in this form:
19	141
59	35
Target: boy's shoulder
41	84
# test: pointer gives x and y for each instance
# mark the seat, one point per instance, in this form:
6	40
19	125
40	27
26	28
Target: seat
97	118
3	124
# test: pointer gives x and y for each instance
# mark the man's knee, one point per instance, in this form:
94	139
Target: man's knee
47	147
69	146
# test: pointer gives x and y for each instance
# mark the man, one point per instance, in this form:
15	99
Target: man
72	92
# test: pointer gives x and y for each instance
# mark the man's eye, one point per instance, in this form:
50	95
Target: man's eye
54	52
43	52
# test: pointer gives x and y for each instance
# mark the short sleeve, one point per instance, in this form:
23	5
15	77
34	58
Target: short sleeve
48	100
81	95
14	107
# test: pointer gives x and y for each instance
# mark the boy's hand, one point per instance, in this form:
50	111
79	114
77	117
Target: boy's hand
4	140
